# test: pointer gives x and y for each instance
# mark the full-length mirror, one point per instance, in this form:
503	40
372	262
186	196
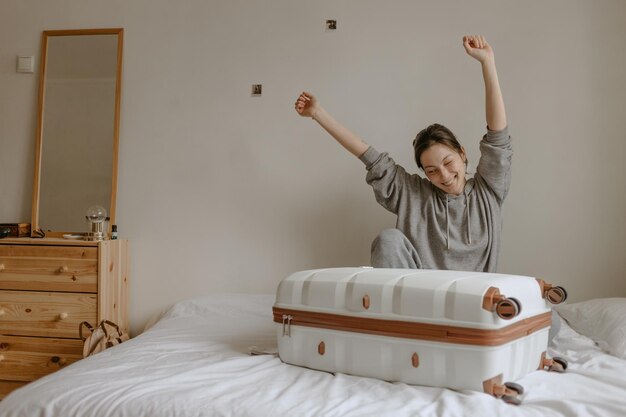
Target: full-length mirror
78	128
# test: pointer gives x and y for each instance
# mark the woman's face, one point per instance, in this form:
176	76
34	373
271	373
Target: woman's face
445	168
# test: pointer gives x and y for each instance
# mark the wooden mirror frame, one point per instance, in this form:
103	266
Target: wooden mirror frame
40	118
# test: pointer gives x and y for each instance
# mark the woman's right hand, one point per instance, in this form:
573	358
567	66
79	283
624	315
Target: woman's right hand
306	104
477	47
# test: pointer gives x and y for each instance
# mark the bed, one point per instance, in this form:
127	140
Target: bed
195	361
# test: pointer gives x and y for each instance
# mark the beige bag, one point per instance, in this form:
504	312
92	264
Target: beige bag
104	336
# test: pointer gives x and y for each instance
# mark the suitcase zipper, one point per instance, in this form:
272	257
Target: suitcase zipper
411	330
287	324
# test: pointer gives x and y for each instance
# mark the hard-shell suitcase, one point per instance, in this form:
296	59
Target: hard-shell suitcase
461	330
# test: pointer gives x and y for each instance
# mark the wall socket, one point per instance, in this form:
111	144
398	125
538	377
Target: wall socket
257	89
26	64
331	24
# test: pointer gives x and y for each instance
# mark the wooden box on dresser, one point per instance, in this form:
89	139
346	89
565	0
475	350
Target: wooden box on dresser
47	288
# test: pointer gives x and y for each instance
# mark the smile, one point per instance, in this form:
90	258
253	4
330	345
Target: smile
449	183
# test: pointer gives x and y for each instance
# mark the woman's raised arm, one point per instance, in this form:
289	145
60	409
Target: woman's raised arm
477	47
308	106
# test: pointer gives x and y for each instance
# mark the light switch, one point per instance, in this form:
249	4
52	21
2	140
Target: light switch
25	64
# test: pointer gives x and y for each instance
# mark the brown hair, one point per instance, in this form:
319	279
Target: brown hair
434	133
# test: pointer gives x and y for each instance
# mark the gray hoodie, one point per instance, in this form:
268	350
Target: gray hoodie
448	231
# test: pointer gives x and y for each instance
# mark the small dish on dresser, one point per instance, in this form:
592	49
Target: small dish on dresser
72	236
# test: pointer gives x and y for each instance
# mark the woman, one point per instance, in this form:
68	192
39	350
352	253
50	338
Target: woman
444	221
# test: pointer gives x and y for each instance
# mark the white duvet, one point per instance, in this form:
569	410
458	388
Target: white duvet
194	362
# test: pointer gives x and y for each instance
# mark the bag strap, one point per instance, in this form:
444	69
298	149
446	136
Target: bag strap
80	330
110	343
103	324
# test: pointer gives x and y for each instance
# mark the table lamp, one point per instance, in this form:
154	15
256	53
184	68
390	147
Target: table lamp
96	215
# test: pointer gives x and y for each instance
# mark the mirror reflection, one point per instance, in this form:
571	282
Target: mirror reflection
78	132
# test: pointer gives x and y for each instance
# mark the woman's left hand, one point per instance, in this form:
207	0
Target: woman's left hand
477	47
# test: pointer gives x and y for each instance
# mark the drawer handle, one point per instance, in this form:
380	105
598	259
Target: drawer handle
63	316
1	358
63	269
1	267
2	312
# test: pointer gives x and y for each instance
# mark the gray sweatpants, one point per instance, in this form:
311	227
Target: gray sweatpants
392	249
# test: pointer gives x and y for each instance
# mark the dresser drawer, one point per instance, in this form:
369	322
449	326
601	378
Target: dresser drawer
7	386
46	251
30	358
49	268
31	313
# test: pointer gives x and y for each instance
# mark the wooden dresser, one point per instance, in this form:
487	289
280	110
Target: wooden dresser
47	288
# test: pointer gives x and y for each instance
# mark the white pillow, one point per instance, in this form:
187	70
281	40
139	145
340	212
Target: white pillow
603	320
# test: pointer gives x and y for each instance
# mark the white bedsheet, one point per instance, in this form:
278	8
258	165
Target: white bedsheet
194	362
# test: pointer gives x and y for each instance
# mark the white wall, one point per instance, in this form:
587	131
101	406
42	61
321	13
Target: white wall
222	192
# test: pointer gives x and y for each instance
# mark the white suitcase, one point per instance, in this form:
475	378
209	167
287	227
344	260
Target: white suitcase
461	330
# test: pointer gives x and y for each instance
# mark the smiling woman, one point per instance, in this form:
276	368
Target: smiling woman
444	158
444	221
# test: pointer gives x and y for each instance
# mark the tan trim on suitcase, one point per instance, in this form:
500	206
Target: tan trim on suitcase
545	363
489	385
491	298
498	389
413	330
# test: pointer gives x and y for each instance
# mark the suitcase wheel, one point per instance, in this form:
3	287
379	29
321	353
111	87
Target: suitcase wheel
515	387
556	295
511	399
508	308
511	391
558	365
561	360
519	304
